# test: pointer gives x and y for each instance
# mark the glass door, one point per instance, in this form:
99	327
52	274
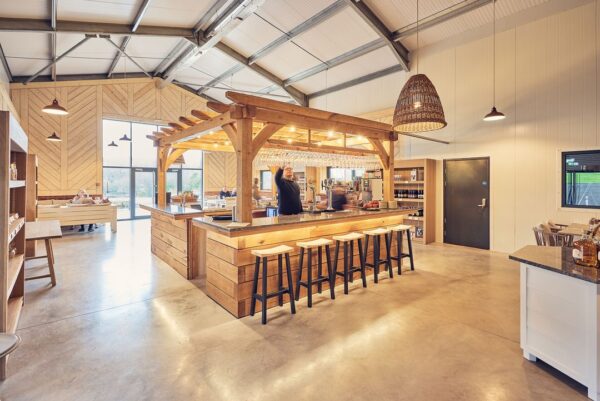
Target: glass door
144	186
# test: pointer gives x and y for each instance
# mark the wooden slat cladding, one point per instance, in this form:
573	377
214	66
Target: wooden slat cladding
76	162
230	264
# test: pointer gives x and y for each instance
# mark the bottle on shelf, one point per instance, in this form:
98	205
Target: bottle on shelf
585	250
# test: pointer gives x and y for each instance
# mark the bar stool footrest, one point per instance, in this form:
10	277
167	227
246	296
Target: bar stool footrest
272	294
315	281
350	270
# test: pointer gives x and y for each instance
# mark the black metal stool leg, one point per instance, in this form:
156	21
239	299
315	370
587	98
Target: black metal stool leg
280	277
254	286
399	249
264	291
388	256
336	255
309	278
351	261
330	272
345	268
376	257
361	256
410	252
290	284
300	260
320	269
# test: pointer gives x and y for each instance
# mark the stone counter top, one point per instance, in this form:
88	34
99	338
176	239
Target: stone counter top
556	259
175	211
263	224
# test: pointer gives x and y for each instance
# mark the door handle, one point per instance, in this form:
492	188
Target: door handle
483	203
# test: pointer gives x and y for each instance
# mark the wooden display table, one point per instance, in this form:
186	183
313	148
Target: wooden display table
46	231
74	215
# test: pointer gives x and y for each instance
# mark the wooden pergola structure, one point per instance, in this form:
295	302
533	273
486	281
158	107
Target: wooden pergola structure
251	123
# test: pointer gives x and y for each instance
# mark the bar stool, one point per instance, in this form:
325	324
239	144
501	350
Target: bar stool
349	268
309	246
376	234
263	254
399	230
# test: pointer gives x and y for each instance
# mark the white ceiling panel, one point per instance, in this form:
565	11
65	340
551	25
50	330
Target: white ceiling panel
287	60
70	66
251	35
13	44
193	77
396	14
113	11
218	95
25	9
214	63
369	63
179	13
92	48
26	67
339	34
287	14
247	79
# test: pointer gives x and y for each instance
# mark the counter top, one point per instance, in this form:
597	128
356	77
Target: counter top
281	222
556	259
176	212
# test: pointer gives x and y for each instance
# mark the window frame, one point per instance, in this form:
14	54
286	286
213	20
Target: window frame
563	179
261	181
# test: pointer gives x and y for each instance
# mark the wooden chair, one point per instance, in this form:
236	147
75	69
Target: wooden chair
545	237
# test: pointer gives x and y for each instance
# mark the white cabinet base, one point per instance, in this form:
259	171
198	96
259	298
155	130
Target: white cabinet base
559	324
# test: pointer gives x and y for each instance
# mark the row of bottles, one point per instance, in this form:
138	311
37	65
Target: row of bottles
409	193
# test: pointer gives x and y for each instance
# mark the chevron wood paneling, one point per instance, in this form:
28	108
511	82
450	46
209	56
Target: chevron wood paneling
76	162
219	171
82	135
144	100
170	103
114	99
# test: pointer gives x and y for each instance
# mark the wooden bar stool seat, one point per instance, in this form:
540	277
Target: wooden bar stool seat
400	230
309	246
387	262
279	251
349	268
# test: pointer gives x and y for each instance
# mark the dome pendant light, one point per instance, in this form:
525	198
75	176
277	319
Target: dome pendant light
125	138
113	144
53	138
55	108
494	115
419	108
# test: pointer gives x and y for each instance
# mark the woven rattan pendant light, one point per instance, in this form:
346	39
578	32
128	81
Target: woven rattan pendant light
494	115
419	107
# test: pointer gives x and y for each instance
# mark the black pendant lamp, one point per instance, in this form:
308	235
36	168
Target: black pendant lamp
55	108
113	144
53	138
494	115
419	108
125	138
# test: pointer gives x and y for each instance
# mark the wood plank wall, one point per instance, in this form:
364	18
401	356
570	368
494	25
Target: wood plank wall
76	162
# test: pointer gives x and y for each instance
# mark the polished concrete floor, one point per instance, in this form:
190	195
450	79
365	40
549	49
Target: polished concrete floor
120	325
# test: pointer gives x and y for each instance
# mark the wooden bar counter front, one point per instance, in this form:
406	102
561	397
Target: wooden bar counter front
230	264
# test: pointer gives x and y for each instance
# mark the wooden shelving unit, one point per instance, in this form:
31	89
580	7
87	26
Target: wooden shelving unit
31	184
419	175
13	149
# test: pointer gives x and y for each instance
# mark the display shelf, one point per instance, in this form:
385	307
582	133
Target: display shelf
415	218
14	307
410	200
14	268
15	227
16	184
409	182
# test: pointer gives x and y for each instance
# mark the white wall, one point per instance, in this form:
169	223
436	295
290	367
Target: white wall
547	86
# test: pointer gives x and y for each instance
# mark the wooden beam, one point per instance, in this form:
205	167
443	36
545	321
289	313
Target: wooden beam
381	152
217	107
177	127
261	138
204	146
161	159
244	159
231	132
168	131
187	121
388	174
198	129
305	147
175	153
302	121
260	102
201	115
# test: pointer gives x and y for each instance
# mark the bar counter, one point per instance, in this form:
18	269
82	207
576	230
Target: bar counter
175	241
560	313
230	264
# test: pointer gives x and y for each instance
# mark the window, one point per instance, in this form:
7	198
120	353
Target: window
344	174
266	180
581	179
129	177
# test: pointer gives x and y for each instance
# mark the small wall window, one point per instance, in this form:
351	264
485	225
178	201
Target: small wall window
581	179
266	178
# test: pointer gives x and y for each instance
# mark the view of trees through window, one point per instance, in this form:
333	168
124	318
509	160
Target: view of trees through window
129	173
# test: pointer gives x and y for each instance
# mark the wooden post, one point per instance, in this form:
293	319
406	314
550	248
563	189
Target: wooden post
161	162
388	173
273	170
244	169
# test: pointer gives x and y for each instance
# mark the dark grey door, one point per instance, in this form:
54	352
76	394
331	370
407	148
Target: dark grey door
467	202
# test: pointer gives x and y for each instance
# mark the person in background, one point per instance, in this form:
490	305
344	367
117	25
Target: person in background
338	198
256	191
233	192
83	198
288	190
224	193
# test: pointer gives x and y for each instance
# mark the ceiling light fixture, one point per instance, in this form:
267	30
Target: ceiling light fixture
53	138
292	129
125	138
494	115
113	144
329	134
419	108
55	108
289	141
